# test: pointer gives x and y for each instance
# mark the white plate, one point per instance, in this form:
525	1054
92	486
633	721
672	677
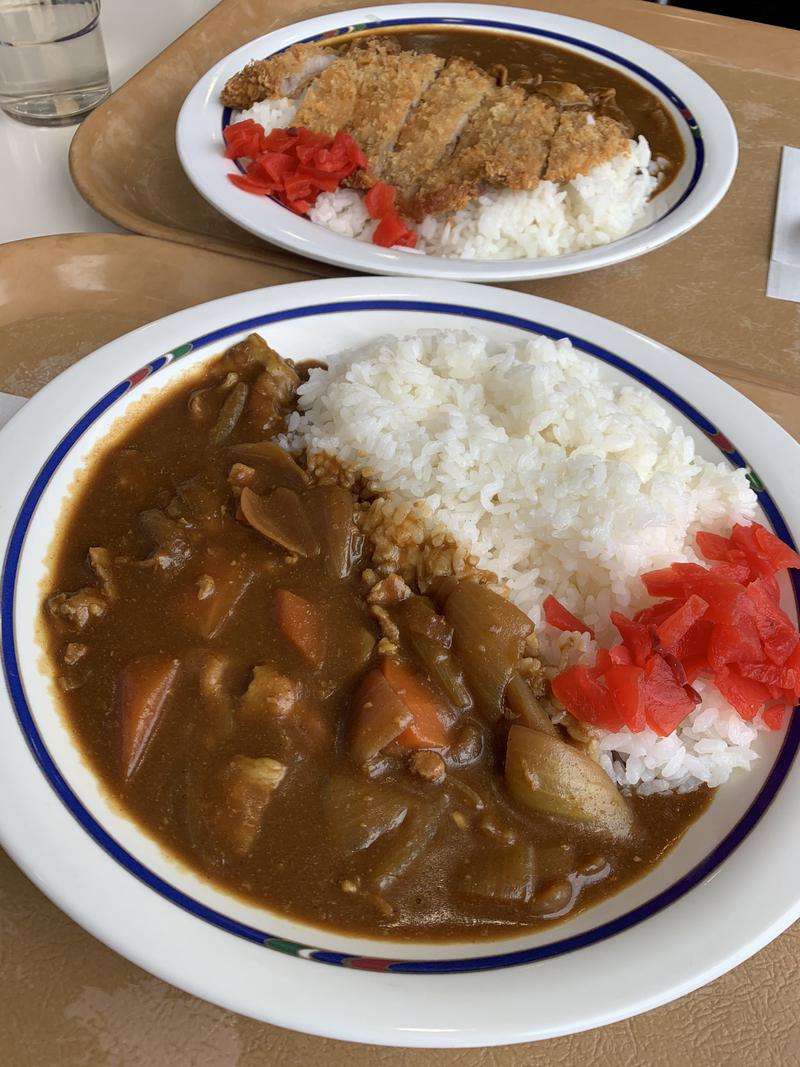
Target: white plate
731	885
704	123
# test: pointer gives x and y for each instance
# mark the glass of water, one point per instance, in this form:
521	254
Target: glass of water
53	67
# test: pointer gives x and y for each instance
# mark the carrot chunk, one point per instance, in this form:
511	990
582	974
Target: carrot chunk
143	689
302	624
427	728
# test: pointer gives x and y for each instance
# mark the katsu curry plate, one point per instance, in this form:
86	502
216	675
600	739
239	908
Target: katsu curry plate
483	142
446	633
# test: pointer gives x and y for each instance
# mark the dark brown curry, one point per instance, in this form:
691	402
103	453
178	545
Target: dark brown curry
523	58
278	701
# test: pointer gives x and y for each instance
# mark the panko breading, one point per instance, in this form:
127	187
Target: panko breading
582	141
434	127
330	100
350	95
519	160
459	180
380	115
282	75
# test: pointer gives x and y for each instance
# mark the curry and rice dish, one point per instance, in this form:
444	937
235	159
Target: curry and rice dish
306	679
455	143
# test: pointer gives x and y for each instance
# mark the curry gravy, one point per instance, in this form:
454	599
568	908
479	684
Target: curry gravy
305	853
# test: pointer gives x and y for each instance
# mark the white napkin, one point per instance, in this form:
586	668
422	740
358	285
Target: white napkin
8	405
784	266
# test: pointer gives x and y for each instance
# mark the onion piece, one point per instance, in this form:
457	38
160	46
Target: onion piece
409	844
550	777
488	632
282	519
524	703
502	875
273	463
441	667
358	811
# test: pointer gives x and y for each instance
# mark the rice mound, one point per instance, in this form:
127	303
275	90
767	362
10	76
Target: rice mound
550	220
560	478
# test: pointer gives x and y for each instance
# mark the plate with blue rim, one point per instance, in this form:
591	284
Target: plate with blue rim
731	884
701	118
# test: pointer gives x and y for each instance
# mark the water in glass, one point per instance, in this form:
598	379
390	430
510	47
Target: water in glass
52	61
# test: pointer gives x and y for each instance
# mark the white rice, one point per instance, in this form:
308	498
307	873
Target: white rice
551	220
272	114
561	480
343	212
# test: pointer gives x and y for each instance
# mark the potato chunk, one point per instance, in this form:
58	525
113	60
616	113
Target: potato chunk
270	694
245	786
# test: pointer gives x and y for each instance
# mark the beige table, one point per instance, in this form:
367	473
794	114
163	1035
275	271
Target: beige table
65	998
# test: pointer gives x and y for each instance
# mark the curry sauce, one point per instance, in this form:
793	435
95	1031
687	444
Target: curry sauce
314	732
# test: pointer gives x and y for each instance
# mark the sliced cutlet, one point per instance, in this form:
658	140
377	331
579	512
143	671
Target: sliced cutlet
434	127
485	136
390	86
519	159
330	101
582	141
285	74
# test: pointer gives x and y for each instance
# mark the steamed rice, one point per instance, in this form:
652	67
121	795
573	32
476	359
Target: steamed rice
560	480
550	220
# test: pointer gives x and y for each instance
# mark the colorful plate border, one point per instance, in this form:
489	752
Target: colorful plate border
51	772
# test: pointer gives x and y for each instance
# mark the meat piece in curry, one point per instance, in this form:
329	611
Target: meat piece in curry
324	716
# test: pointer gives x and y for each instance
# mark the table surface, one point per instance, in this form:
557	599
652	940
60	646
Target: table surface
114	1013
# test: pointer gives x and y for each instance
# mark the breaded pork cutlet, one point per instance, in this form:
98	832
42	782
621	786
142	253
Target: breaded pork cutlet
515	140
434	127
368	91
330	101
390	87
582	141
439	131
487	146
519	159
285	74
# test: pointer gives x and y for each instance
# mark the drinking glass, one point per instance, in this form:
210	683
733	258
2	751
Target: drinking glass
53	67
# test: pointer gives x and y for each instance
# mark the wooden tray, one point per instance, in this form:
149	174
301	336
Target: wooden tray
64	296
70	1000
704	294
